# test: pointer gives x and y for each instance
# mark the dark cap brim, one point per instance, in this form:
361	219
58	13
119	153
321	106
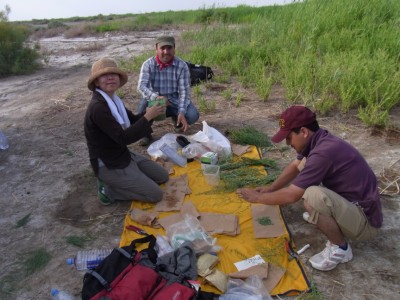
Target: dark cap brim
280	135
162	44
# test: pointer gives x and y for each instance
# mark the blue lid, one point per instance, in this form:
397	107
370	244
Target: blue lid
54	292
70	261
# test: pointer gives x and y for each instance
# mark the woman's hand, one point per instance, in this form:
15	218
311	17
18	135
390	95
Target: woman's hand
154	111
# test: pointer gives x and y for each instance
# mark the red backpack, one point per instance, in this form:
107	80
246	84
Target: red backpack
129	274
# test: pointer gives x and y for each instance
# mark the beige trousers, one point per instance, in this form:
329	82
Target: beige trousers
350	217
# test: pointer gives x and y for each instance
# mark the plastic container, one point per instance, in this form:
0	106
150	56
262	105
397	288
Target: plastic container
3	141
61	295
160	101
88	259
209	158
211	173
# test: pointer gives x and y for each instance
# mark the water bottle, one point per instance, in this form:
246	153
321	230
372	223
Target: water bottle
3	141
61	295
88	259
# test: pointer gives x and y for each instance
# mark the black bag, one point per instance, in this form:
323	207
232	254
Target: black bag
199	73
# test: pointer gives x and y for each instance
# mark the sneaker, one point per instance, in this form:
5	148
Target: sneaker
306	216
101	193
330	257
146	141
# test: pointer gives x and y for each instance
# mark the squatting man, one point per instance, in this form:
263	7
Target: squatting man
338	187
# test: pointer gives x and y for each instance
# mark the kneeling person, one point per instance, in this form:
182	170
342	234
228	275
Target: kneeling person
109	128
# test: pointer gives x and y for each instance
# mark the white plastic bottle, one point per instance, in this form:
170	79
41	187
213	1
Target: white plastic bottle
61	295
3	141
88	259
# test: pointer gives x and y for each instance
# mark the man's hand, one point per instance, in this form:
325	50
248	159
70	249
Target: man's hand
182	120
264	189
250	195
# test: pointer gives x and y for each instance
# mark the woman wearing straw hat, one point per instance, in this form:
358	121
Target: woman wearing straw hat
109	128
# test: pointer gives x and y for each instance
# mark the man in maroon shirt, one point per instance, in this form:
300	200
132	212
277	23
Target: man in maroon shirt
338	187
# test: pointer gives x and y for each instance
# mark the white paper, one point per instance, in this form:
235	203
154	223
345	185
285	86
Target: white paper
247	263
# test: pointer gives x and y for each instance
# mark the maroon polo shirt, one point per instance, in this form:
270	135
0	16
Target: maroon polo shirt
339	167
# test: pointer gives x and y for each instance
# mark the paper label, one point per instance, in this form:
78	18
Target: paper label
247	263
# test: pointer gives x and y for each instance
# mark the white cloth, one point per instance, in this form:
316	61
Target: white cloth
117	109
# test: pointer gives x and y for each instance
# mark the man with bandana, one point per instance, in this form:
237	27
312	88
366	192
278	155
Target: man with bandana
166	76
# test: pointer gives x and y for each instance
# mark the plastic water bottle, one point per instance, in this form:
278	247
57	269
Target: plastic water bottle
61	295
3	141
88	259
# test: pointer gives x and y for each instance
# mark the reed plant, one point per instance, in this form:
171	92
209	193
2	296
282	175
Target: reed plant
326	54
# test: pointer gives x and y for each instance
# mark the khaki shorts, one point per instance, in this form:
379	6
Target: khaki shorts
350	218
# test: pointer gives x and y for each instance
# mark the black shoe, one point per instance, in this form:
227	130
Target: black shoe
146	141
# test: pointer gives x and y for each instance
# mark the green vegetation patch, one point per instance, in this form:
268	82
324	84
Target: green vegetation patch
264	221
36	260
22	222
249	135
78	241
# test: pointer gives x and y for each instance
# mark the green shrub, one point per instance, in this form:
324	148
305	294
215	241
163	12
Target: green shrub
15	57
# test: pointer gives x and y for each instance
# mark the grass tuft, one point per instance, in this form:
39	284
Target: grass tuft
249	135
37	260
78	241
22	222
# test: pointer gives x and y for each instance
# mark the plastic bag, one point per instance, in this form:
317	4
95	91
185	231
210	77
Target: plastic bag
252	288
168	139
214	140
173	155
163	246
190	229
194	150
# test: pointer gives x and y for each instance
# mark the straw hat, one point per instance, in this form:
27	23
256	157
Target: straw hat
104	66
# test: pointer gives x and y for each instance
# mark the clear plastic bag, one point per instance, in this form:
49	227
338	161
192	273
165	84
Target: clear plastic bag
252	288
194	150
168	139
190	229
163	246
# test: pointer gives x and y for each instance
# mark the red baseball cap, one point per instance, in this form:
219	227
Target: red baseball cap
294	117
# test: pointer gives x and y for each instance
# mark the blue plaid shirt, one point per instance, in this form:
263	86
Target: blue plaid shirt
172	82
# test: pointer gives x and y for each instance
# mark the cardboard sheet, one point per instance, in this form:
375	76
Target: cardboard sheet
266	221
287	275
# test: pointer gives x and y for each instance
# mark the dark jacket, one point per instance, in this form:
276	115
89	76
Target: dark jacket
105	137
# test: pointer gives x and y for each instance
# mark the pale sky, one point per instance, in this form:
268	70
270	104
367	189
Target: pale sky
25	10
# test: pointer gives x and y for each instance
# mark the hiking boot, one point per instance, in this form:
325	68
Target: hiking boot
144	142
101	193
330	257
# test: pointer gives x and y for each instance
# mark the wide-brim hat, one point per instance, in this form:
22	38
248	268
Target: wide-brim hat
104	66
294	117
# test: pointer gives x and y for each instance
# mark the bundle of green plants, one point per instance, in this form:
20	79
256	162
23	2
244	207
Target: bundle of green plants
249	135
244	172
243	177
243	162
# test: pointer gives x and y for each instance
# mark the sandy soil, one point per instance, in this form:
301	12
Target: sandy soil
45	173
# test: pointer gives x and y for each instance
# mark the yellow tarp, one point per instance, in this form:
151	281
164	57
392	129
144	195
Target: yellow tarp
236	248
